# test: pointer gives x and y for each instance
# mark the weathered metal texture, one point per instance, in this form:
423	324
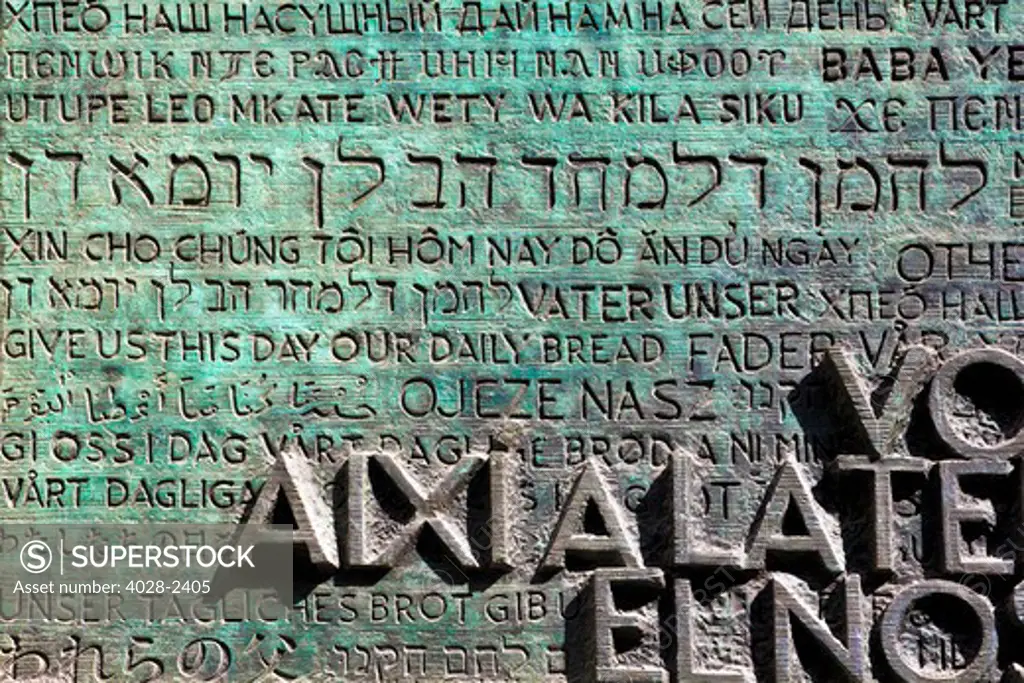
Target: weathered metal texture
584	341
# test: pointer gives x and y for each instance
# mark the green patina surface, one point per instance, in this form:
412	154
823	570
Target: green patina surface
384	283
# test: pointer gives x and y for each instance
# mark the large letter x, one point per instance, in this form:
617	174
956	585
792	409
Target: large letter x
429	509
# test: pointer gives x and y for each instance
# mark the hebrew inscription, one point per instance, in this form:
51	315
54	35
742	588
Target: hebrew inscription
578	341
